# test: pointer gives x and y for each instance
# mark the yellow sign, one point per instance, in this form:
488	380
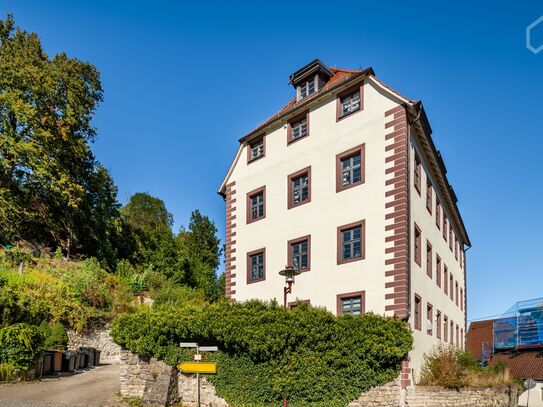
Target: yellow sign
198	367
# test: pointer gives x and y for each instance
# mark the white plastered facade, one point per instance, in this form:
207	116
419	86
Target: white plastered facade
329	209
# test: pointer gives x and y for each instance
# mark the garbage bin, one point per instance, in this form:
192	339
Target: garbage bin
57	360
47	362
90	361
68	361
82	359
97	353
89	356
77	357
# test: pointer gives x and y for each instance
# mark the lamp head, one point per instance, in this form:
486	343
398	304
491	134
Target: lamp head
289	272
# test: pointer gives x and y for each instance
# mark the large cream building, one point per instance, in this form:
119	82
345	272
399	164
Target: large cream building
346	184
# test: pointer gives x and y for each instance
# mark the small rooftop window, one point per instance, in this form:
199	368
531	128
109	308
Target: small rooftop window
310	79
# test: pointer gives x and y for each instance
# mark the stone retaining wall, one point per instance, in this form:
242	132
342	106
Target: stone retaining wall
391	394
158	384
187	393
387	395
98	338
422	396
151	380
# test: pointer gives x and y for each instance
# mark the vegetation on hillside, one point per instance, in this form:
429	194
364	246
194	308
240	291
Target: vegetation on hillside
267	351
55	197
76	294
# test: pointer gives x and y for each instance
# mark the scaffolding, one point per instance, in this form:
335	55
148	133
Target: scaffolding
521	327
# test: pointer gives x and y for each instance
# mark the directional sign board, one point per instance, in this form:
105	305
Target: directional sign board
198	367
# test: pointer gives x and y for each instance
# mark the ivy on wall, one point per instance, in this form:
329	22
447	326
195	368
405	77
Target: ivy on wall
267	352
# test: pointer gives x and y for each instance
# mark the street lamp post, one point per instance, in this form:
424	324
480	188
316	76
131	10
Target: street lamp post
289	272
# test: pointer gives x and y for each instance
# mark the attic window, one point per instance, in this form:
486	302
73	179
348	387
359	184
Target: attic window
350	101
298	128
256	149
310	79
307	89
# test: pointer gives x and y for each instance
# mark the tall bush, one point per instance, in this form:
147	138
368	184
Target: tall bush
88	285
454	368
58	338
20	347
267	352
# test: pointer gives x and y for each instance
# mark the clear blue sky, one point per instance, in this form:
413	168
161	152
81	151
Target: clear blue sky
184	81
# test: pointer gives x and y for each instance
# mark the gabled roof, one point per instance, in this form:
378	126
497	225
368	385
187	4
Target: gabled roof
343	79
308	71
339	77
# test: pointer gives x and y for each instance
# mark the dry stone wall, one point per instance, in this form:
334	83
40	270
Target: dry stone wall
392	395
419	396
148	379
158	384
98	338
387	395
188	396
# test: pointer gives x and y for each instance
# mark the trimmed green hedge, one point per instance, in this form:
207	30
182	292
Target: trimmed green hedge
267	352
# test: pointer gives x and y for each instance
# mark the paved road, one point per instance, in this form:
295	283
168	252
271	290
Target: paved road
93	387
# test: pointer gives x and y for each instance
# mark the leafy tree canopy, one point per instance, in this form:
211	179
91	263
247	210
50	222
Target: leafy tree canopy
147	213
52	190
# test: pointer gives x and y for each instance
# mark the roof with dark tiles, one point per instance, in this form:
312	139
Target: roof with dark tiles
524	365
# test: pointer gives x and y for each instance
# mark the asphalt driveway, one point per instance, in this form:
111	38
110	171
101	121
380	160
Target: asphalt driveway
93	387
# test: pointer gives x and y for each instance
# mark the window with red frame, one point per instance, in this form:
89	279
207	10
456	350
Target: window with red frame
428	195
418	313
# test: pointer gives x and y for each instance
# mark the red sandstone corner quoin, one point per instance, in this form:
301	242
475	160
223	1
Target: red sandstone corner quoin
396	245
230	250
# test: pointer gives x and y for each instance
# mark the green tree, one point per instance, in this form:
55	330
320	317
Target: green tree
52	190
147	213
155	246
201	251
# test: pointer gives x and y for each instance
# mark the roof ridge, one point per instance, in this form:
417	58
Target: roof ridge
336	69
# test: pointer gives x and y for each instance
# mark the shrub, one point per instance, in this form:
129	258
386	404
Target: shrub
267	352
14	257
45	330
20	347
137	283
453	368
77	294
171	295
442	368
88	286
58	339
124	269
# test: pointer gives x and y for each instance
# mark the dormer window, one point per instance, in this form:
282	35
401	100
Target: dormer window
307	89
310	79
